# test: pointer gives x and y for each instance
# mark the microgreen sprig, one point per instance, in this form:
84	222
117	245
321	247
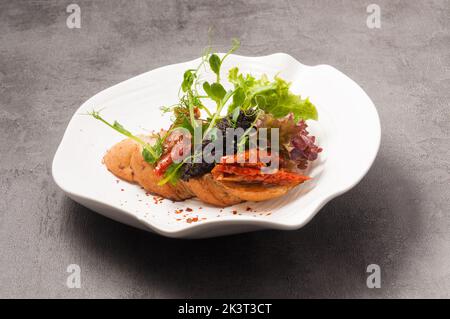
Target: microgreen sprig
151	153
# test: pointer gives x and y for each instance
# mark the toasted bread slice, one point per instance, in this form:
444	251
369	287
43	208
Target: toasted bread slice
210	191
200	190
255	192
220	192
126	162
118	159
145	176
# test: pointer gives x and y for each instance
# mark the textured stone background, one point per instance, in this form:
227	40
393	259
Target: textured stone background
397	217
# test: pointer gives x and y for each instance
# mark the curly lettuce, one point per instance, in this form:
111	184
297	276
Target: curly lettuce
296	145
273	97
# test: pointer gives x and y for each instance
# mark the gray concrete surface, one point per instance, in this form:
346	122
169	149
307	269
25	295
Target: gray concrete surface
397	217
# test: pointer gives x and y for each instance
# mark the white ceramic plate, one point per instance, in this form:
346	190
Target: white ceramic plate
348	130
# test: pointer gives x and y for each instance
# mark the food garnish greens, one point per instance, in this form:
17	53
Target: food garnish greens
251	103
151	153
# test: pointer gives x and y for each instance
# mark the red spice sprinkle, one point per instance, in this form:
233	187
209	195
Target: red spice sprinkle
192	220
248	208
178	219
234	212
189	209
157	200
178	211
121	189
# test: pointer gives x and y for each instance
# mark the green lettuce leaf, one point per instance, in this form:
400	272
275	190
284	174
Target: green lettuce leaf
273	97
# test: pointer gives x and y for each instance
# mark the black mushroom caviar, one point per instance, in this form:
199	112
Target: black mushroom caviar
244	121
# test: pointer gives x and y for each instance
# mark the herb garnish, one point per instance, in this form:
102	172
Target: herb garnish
150	153
250	95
